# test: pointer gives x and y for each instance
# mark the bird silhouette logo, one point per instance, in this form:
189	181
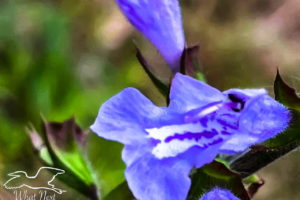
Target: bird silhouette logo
21	179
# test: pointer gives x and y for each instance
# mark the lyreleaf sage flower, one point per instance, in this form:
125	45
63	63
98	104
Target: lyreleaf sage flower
160	22
219	194
163	144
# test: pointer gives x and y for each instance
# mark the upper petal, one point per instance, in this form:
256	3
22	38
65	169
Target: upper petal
219	194
160	22
123	117
187	94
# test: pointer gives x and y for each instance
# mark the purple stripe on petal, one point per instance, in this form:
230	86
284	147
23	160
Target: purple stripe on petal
213	142
228	124
204	121
226	133
193	136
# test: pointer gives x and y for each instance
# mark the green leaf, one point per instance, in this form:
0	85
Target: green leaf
288	97
38	144
213	175
59	137
286	94
66	140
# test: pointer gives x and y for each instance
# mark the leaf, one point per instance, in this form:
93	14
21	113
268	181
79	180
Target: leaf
50	157
65	135
213	175
121	192
285	94
259	156
66	140
161	86
288	97
190	64
39	145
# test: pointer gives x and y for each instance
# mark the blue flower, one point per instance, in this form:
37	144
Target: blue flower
162	144
160	22
219	194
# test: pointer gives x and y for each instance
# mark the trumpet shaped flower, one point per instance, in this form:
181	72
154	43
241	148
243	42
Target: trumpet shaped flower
163	144
219	194
160	22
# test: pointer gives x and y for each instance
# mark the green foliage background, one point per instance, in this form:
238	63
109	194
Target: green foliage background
63	58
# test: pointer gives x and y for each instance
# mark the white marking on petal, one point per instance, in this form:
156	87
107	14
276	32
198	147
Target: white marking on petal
173	140
175	147
166	131
211	109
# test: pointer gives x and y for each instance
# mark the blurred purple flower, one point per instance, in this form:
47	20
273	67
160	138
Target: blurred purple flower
162	144
160	22
219	194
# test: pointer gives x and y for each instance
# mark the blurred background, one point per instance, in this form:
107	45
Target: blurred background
63	58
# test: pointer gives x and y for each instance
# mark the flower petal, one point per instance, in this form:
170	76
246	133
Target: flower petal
219	194
163	179
167	179
261	119
187	94
160	22
238	143
133	152
123	117
198	156
246	93
264	117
